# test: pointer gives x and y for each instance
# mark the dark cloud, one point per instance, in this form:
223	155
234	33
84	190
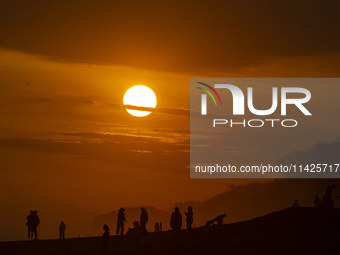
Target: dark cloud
153	134
321	153
171	35
165	110
116	149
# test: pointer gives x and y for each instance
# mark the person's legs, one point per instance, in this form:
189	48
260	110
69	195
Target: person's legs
189	224
122	230
143	226
35	234
118	227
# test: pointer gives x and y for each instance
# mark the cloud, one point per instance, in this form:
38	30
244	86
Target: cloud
138	151
164	110
321	153
171	35
169	110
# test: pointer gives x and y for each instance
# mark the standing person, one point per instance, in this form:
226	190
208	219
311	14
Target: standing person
35	222
106	239
30	225
62	228
120	221
176	220
296	204
144	217
189	217
317	202
327	201
156	227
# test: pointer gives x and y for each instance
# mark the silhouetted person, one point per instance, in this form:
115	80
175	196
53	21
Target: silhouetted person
120	221
136	226
317	202
135	230
218	220
144	217
156	226
296	204
29	225
189	217
106	238
62	228
176	220
327	201
33	222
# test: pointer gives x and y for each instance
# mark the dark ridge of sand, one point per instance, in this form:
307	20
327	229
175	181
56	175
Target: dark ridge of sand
291	231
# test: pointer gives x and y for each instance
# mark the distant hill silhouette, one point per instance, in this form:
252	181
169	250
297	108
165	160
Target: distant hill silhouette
301	230
248	201
252	200
241	203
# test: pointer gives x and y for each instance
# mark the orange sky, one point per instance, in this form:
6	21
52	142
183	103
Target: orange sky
67	146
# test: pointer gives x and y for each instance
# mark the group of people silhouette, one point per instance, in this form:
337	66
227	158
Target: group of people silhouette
176	219
32	222
326	202
32	225
139	227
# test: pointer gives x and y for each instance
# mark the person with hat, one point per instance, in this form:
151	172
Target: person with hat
120	221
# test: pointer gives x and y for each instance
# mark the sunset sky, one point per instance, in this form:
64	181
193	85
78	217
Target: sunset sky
69	149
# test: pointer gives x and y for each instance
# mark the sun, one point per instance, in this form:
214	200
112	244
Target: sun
139	96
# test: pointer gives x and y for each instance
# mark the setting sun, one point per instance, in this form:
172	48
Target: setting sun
140	96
